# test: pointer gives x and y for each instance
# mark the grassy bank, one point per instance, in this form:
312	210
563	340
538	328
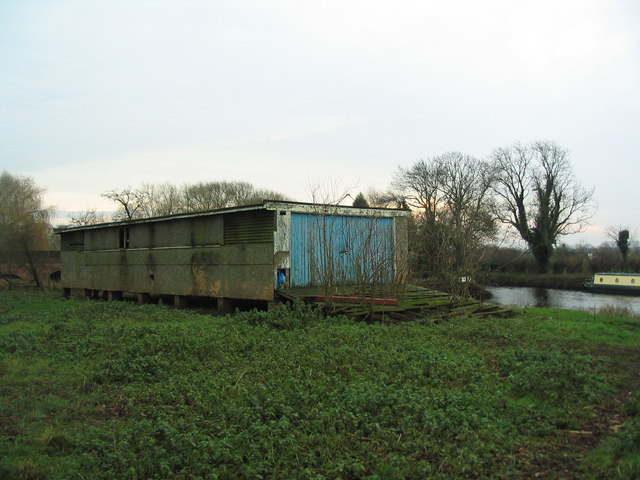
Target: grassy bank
569	281
114	390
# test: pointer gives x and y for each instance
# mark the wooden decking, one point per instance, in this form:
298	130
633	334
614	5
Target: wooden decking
413	303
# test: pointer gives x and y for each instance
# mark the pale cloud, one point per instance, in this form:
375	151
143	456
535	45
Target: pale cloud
97	95
232	159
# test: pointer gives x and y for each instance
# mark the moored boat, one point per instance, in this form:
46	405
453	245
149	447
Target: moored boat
615	283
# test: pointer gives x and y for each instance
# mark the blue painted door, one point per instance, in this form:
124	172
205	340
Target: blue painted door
340	249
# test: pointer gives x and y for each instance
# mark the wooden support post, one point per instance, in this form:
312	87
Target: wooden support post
179	301
88	293
224	305
114	295
66	292
143	298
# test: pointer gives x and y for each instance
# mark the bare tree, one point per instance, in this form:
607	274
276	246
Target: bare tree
327	191
260	194
151	200
238	193
213	195
451	196
86	217
131	202
168	200
203	196
160	199
539	196
321	240
24	221
347	254
420	185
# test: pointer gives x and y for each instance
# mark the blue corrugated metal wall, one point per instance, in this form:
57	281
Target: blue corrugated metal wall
340	249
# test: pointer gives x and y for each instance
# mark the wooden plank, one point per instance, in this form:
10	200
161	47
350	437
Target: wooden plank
359	300
414	303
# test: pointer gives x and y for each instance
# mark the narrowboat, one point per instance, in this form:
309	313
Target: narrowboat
614	283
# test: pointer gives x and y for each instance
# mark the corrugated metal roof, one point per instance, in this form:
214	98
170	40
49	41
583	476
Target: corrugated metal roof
317	208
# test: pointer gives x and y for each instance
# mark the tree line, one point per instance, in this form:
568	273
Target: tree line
459	204
154	200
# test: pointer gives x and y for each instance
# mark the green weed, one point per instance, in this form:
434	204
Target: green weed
283	316
114	390
553	375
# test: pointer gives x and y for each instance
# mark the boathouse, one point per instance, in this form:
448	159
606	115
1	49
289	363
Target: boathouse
239	253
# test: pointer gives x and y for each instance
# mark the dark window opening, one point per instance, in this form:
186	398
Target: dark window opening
124	237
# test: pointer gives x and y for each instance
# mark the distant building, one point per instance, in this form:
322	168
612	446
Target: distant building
241	253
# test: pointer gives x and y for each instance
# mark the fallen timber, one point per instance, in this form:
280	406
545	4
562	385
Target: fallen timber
359	300
407	303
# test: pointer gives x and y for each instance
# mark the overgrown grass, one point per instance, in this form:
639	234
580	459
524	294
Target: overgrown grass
113	390
615	311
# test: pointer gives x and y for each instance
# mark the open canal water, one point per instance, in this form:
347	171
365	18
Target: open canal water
568	299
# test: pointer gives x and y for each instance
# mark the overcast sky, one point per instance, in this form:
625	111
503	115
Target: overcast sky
96	95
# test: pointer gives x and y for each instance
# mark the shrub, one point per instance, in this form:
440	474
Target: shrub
283	316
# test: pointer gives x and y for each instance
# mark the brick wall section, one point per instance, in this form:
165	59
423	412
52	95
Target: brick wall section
14	264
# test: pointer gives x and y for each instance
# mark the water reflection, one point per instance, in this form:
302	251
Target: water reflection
542	296
569	299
